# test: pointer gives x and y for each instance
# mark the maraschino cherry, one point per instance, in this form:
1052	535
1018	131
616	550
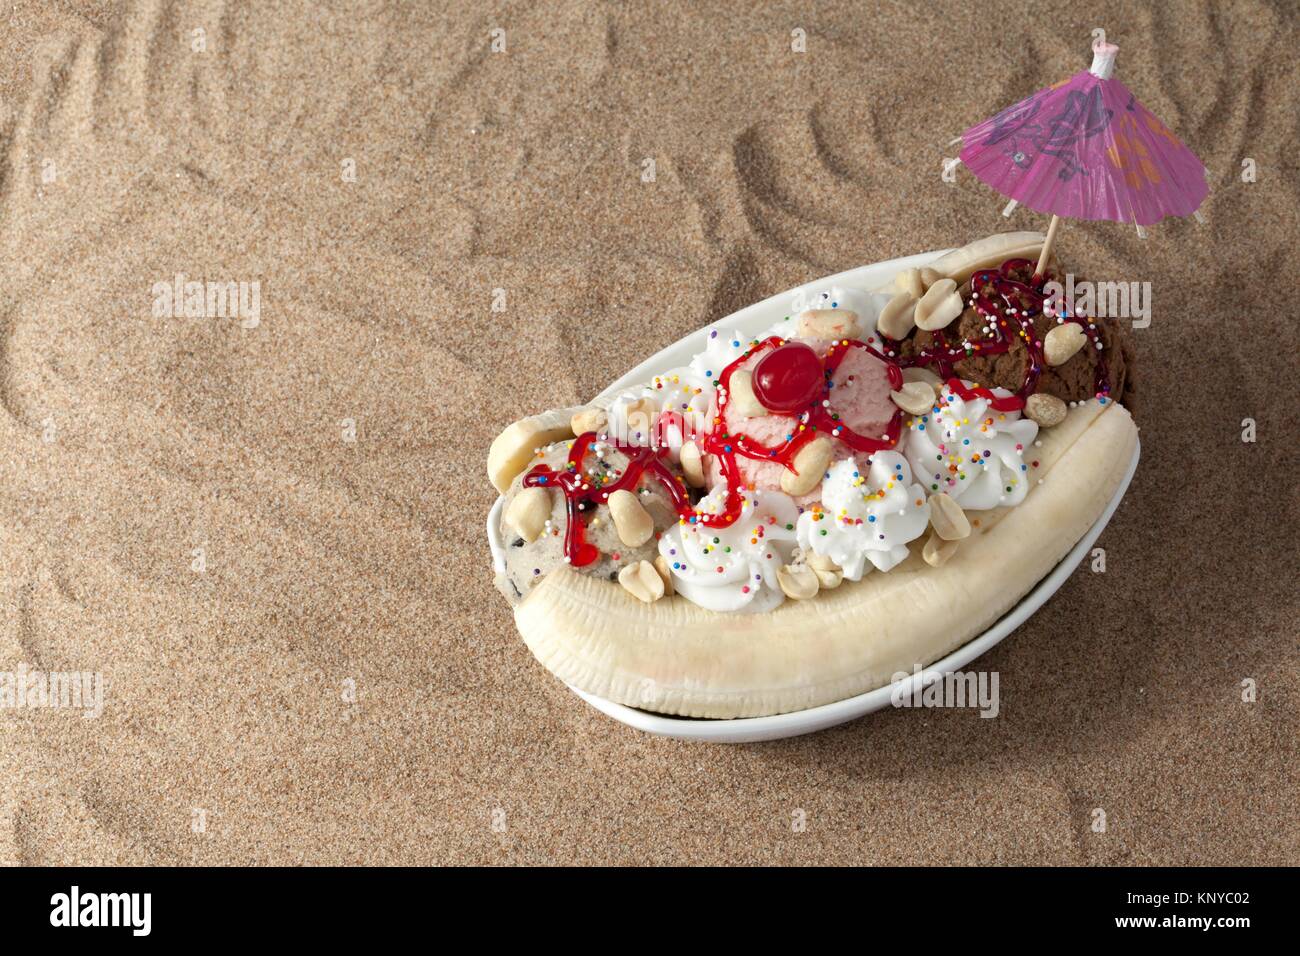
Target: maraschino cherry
789	378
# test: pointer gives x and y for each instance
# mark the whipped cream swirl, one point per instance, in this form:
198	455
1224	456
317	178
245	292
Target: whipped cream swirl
971	452
733	568
867	305
674	407
866	520
721	349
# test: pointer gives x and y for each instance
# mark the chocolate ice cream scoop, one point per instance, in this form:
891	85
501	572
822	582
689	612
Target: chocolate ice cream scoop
1073	381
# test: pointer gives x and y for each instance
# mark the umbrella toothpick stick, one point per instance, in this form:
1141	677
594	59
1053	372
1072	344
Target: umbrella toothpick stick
1048	242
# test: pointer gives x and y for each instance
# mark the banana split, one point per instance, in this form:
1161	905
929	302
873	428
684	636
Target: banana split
792	516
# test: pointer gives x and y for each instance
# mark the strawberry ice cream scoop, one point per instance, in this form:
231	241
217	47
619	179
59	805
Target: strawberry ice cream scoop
858	398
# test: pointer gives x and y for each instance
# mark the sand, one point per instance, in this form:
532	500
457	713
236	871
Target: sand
267	537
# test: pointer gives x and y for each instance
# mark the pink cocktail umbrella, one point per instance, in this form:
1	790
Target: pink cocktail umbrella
1086	149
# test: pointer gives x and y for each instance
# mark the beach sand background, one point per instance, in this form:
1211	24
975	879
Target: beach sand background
305	660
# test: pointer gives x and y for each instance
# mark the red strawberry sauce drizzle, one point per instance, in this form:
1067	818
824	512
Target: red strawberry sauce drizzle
1004	301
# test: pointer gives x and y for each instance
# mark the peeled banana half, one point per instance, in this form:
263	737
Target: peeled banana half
674	657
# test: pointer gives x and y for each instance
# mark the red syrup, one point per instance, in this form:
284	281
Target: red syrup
1006	302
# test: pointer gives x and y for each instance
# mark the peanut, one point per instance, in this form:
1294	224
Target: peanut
1047	410
528	512
939	306
666	575
639	418
740	395
915	398
829	574
642	581
918	373
692	464
799	583
897	317
936	551
947	518
809	467
632	522
828	324
820	562
909	281
1062	342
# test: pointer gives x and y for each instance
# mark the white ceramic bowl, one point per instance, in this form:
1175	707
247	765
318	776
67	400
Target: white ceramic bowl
753	320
